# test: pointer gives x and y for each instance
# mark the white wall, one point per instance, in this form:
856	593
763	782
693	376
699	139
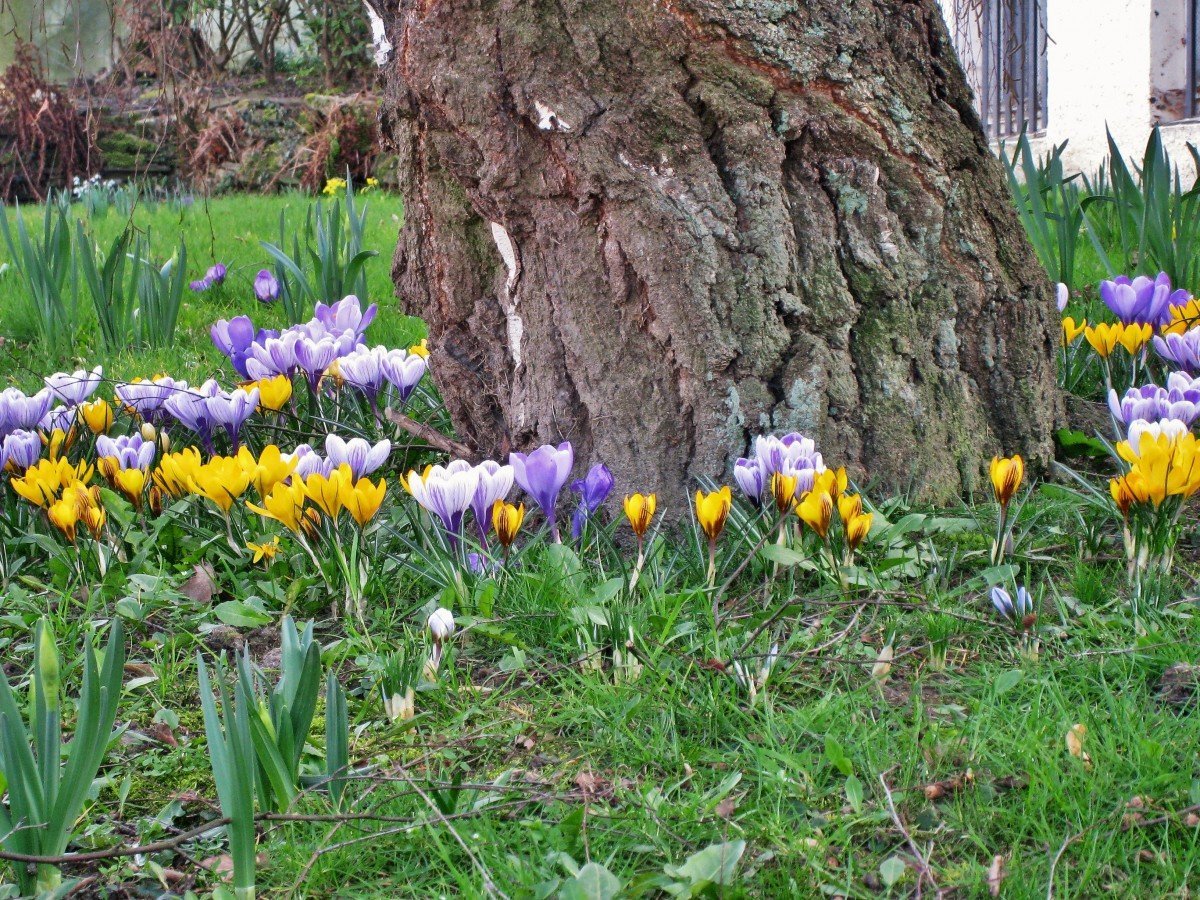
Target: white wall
1105	60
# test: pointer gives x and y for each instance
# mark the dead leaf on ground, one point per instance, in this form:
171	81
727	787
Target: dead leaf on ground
1075	739
996	875
202	586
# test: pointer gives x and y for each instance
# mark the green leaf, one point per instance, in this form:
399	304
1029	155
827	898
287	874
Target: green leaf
836	755
1006	681
784	556
891	870
714	865
854	793
592	882
238	614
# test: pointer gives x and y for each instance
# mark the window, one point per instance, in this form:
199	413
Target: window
1002	46
1175	60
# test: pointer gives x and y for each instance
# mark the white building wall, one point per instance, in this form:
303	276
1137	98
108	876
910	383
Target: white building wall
1112	65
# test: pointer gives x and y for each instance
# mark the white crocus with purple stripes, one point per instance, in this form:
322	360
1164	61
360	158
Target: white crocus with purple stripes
74	388
358	454
446	492
495	481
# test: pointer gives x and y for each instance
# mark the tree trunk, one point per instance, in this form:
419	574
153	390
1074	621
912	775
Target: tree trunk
657	228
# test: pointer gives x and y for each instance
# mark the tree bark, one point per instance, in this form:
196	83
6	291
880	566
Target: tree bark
657	228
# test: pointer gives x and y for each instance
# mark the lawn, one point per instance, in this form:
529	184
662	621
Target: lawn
794	725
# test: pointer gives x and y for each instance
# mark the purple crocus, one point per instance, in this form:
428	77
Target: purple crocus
446	492
1181	349
542	474
1142	300
347	313
189	407
130	451
362	369
74	388
1153	402
21	411
495	481
314	357
1014	611
214	276
593	489
362	458
235	339
403	371
146	398
231	409
61	418
748	473
1062	296
309	462
266	286
20	450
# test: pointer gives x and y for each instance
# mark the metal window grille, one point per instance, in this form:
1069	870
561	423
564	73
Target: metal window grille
1011	81
1190	102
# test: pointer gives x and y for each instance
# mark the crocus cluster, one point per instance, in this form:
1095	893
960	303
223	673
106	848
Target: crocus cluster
360	455
205	409
1179	400
1142	300
214	276
794	456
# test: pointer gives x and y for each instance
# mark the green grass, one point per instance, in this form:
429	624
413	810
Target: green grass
223	229
526	761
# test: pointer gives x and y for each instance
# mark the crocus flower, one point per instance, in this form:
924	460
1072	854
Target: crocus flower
542	474
712	509
1007	473
313	357
792	451
495	481
347	313
441	628
1152	402
1014	611
19	411
362	369
231	409
1142	301
639	510
403	370
1181	349
60	419
129	451
362	458
234	338
97	415
593	490
20	450
506	520
266	286
748	473
1062	296
446	492
146	398
309	462
214	276
75	387
1171	429
189	407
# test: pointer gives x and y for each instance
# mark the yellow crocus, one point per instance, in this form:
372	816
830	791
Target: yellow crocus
507	519
329	492
176	471
639	510
221	480
284	504
93	518
267	550
273	393
1007	473
783	490
271	467
857	528
363	500
131	483
1071	331
421	348
1134	337
1184	317
816	511
849	506
1164	466
712	510
1103	338
58	441
97	415
64	515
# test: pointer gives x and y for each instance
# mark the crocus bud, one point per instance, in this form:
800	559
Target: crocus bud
440	624
1061	295
266	286
400	707
148	432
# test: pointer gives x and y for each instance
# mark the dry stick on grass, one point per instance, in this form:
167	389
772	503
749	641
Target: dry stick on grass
924	871
429	434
